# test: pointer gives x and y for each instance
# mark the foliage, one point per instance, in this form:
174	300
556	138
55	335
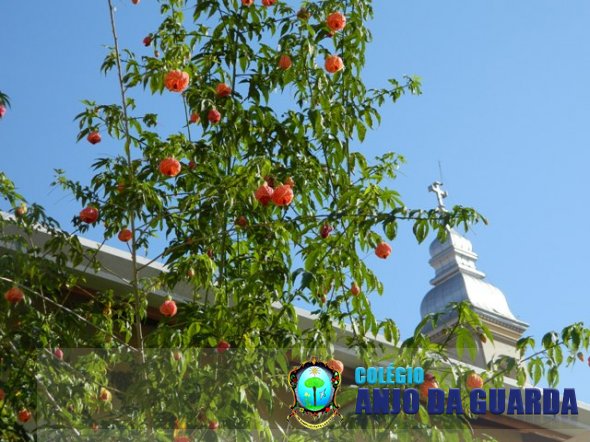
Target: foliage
298	124
4	100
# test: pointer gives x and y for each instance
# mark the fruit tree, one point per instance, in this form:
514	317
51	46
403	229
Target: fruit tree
264	199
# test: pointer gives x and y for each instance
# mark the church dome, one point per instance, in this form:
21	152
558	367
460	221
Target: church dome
457	279
454	240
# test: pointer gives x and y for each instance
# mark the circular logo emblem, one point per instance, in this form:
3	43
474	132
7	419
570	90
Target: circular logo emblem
314	388
314	385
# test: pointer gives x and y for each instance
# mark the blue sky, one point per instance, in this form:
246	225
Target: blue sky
505	110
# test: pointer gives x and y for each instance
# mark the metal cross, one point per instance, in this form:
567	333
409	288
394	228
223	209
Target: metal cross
436	188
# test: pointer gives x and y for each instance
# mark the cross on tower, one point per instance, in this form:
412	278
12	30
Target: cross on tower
436	188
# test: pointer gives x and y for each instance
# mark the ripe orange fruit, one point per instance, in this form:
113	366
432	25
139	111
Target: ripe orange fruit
168	308
242	221
427	385
247	2
214	425
282	195
125	235
336	21
223	346
285	62
194	118
336	365
147	40
383	250
268	3
93	137
176	81
170	167
264	194
24	415
14	295
223	90
58	353
355	289
135	2
474	381
89	215
334	64
214	116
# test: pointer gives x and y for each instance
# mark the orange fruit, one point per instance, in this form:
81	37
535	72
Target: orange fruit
285	62
334	64
264	194
24	415
474	381
336	21
282	195
168	308
336	365
383	250
214	116
223	90
125	235
14	295
176	81
89	215
427	385
170	167
93	137
223	346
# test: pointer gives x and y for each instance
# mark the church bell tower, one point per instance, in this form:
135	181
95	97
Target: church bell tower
457	279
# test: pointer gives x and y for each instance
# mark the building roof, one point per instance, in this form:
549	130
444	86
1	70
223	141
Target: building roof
458	279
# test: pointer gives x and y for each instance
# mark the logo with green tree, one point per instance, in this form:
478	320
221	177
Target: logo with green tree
314	385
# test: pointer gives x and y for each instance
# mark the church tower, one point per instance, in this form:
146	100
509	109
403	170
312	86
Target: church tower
458	279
